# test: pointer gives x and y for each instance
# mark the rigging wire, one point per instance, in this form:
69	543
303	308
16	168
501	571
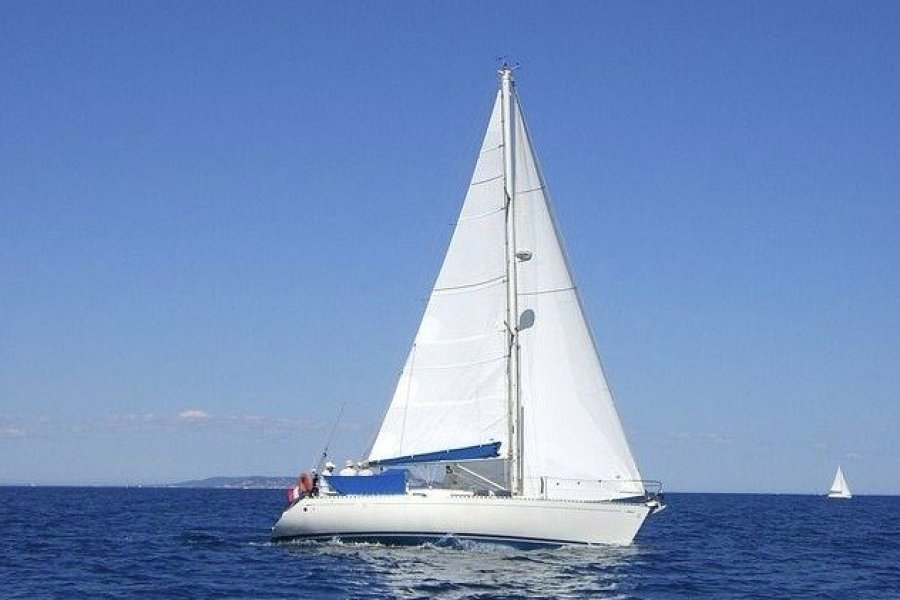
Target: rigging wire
330	436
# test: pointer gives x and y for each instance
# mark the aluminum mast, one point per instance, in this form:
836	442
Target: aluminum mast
512	310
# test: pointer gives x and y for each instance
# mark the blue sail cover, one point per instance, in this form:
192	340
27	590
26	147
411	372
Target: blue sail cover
489	450
392	481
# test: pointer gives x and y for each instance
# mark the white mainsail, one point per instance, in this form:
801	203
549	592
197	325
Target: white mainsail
839	487
454	389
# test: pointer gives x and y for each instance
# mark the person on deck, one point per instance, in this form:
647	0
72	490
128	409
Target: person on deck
362	469
327	472
348	469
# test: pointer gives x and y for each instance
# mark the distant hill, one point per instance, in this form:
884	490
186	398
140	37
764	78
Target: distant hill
249	482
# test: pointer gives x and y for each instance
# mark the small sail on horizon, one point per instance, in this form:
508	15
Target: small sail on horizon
839	487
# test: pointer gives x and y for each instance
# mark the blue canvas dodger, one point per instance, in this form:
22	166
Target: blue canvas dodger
392	481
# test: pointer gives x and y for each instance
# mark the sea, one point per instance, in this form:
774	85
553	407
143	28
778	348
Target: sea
214	543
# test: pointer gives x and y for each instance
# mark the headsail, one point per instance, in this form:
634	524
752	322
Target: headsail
572	429
452	391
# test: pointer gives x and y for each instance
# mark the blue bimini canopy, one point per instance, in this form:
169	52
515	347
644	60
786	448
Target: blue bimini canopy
392	481
489	450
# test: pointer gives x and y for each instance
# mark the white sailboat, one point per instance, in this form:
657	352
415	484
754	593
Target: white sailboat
502	399
839	487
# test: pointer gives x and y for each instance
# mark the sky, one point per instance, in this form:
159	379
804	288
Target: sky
219	225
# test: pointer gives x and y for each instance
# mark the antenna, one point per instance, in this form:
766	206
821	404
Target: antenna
505	65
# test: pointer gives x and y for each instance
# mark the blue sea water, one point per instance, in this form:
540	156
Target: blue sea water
194	543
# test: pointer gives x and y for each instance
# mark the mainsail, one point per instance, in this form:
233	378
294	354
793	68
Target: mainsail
454	389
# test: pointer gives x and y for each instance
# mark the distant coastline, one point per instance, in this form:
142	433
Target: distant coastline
251	482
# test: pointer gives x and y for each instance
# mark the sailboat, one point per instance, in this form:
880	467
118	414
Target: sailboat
502	427
839	488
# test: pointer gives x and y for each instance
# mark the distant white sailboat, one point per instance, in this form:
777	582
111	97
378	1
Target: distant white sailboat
502	389
839	488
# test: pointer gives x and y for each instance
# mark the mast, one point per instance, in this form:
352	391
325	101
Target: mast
512	310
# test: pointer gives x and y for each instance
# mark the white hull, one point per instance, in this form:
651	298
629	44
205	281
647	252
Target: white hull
437	515
840	495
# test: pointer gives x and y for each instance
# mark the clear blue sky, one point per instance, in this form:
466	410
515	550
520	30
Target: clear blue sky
219	222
